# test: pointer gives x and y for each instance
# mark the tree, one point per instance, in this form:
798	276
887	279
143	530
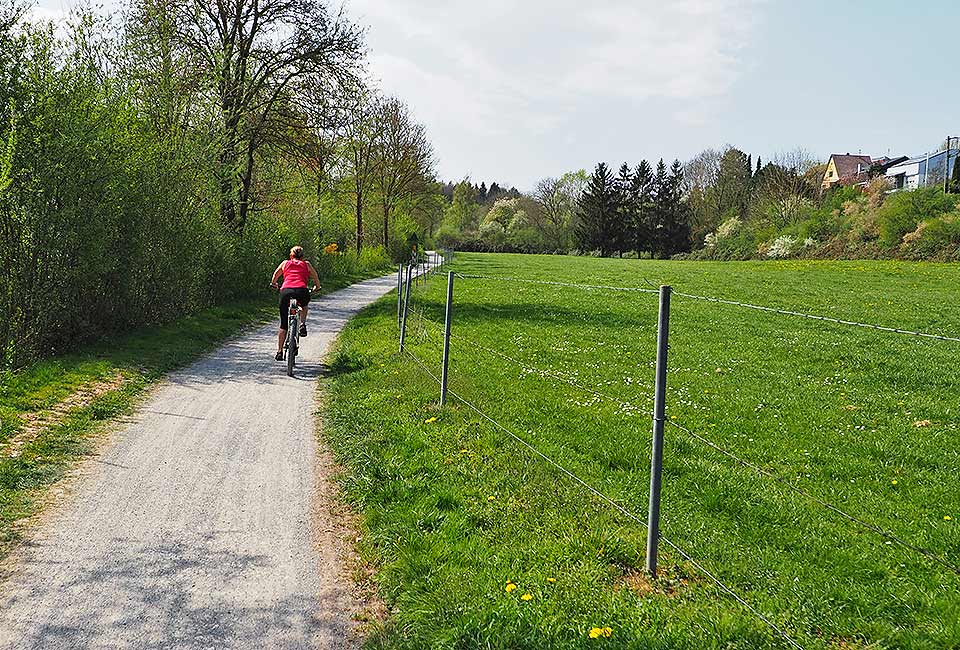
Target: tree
258	57
461	214
598	212
677	218
403	155
642	189
628	210
700	176
360	141
783	192
730	194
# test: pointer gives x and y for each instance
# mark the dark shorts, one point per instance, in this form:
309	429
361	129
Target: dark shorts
302	294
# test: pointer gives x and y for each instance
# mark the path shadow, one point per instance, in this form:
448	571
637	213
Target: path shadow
187	595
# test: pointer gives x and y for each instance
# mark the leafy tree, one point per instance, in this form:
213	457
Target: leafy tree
258	58
461	214
403	158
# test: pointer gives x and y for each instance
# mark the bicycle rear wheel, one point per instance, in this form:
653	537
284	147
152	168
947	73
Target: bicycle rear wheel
291	346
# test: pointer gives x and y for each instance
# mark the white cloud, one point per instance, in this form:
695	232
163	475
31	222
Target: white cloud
500	76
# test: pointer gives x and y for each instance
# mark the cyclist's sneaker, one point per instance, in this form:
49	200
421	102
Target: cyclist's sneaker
279	356
303	330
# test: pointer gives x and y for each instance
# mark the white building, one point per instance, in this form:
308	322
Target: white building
922	170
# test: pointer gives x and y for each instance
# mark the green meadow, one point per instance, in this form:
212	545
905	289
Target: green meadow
478	542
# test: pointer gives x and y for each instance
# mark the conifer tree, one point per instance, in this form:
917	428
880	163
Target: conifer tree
642	190
597	211
677	226
659	210
624	224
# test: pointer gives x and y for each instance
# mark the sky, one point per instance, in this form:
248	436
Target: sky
517	90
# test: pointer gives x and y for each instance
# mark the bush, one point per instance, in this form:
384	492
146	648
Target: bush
374	258
936	237
902	212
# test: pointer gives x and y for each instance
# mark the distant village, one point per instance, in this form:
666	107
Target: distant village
902	172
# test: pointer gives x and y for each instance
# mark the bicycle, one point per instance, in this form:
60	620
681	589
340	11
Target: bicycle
291	346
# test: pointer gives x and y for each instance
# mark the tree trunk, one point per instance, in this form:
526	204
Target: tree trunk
386	222
359	222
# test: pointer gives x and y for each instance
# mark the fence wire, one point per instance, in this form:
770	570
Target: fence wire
723	301
829	506
826	319
507	278
626	404
530	368
614	504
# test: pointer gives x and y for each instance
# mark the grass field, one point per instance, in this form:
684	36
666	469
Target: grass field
454	511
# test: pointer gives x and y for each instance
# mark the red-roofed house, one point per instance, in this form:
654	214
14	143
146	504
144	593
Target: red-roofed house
846	169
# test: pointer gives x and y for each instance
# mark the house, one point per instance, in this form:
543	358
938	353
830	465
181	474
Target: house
928	169
846	169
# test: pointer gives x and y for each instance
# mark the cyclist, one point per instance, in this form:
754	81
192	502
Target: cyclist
295	271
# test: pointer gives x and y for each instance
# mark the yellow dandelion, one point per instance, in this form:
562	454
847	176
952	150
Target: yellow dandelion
491	498
595	633
464	451
673	417
510	587
893	482
526	596
551	580
607	632
947	518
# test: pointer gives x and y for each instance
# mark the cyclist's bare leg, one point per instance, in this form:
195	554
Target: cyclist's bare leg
303	315
281	339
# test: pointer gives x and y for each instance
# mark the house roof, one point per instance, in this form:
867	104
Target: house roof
847	164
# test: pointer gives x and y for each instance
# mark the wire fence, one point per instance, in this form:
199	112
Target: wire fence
434	332
722	301
615	505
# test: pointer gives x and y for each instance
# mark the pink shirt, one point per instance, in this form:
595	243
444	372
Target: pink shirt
295	274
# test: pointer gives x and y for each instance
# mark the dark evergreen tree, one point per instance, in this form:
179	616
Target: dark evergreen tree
482	193
759	165
627	212
677	222
750	163
660	209
642	189
494	192
597	212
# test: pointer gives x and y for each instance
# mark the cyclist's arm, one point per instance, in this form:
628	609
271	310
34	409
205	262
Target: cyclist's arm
313	275
277	274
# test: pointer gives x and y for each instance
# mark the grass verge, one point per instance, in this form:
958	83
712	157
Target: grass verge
454	512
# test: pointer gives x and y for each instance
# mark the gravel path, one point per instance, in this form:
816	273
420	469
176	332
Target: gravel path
199	526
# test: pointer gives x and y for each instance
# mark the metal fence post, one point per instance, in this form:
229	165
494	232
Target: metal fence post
406	307
659	407
446	339
399	291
